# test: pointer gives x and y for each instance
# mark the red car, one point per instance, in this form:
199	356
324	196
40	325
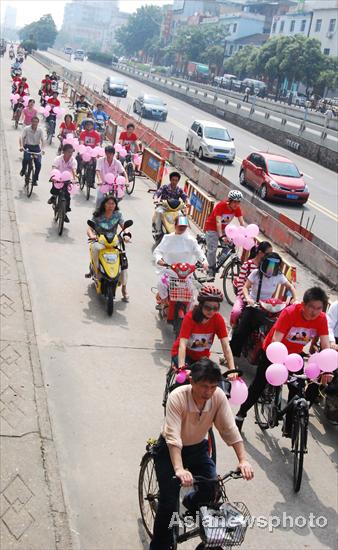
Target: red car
274	177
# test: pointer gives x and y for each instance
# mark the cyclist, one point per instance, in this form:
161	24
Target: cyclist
46	92
179	246
297	325
199	328
19	104
44	81
101	118
257	254
182	448
64	162
54	102
29	112
107	165
128	139
91	138
66	127
260	285
32	140
222	214
81	108
170	191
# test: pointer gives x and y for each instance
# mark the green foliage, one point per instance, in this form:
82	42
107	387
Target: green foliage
99	57
328	76
142	28
29	45
43	32
200	43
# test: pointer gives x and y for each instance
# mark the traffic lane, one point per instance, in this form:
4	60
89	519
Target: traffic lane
323	206
105	397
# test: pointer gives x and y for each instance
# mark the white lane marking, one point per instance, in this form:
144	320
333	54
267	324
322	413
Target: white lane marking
307	176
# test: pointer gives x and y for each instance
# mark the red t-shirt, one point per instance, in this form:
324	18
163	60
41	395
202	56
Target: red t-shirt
127	141
71	128
16	79
297	331
200	336
91	138
223	210
45	81
25	85
54	101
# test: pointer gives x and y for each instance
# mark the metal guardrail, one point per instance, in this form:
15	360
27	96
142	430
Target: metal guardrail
73	77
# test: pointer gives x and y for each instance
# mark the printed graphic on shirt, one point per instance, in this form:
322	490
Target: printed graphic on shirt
200	342
300	335
226	218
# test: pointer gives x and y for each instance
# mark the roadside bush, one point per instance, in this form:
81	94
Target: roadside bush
99	57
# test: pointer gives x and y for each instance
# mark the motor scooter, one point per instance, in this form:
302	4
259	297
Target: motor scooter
172	209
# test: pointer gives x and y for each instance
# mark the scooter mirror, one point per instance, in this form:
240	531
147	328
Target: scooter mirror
127	224
91	224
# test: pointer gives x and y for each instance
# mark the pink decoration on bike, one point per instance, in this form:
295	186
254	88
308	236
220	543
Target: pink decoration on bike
230	231
120	180
72	188
239	392
86	157
252	230
118	147
82	149
327	360
55	174
101	152
248	243
123	153
109	178
181	377
119	191
58	184
312	370
70	135
137	160
26	100
165	279
46	112
276	374
97	150
105	188
66	176
277	352
41	110
48	107
294	362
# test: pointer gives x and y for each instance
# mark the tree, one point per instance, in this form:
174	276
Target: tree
243	63
43	32
328	76
29	45
142	27
213	56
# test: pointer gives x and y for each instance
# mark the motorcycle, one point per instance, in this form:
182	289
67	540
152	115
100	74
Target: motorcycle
271	309
172	209
111	259
180	294
80	115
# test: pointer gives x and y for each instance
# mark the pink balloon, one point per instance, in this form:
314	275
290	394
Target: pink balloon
123	153
12	96
252	230
109	178
277	352
248	243
16	96
88	149
97	150
15	101
137	160
238	239
92	153
66	176
276	374
105	188
239	392
86	157
48	107
56	174
294	362
231	231
165	279
41	110
327	360
46	112
26	100
120	180
70	135
312	370
72	188
101	152
119	191
118	147
58	184
181	377
82	149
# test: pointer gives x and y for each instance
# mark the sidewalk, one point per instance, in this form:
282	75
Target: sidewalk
32	511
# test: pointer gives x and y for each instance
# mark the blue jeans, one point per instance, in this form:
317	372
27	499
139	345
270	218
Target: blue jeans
198	461
37	160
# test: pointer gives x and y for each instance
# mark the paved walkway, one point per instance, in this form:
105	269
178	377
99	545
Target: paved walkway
32	507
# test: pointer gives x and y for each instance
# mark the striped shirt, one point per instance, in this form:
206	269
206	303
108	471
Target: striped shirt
244	273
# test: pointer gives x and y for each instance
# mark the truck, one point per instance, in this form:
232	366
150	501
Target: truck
197	71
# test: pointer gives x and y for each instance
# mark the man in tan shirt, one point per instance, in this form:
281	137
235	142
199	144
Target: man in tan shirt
182	449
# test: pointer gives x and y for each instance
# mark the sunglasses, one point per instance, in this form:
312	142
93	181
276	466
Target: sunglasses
210	308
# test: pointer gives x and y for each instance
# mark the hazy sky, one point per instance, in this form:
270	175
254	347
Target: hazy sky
31	10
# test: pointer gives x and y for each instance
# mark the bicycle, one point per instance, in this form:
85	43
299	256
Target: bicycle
60	205
220	524
30	173
51	124
87	176
17	116
229	261
130	171
269	411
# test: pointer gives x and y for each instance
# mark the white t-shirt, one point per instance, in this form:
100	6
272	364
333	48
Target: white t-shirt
62	165
269	285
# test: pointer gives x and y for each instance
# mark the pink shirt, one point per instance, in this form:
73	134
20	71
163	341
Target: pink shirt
61	165
28	115
105	168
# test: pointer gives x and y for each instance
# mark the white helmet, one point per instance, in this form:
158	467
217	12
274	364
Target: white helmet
235	195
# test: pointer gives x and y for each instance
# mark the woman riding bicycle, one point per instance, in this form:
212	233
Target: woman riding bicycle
257	254
199	328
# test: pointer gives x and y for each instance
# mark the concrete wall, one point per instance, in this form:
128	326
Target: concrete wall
59	53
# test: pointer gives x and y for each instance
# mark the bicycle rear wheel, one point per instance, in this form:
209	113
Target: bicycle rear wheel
148	492
231	272
130	185
81	180
61	215
298	448
30	174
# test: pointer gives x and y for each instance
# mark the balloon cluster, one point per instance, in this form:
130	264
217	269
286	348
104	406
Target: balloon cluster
59	178
114	183
87	153
45	111
120	150
283	363
242	236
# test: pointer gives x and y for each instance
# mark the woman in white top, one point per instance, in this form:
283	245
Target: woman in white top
261	284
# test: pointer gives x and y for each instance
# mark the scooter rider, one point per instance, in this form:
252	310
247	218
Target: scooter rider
170	191
177	247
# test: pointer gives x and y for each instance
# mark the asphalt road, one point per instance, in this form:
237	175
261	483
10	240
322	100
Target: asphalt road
105	377
322	207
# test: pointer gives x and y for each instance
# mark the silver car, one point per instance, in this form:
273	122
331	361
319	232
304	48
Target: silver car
115	85
150	106
210	140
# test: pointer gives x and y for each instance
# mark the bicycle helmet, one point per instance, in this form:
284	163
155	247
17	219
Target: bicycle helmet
235	195
270	265
210	293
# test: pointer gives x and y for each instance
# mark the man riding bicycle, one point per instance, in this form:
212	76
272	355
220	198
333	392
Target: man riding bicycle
128	139
32	141
65	163
182	449
91	138
170	191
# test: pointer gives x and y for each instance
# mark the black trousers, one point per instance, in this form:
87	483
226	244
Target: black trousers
250	320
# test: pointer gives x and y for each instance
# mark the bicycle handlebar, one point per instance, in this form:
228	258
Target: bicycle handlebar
234	474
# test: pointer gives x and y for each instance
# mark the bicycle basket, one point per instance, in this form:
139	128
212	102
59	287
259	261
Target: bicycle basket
180	290
225	526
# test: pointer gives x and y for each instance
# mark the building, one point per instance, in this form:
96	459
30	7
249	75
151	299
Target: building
183	9
267	8
10	18
313	19
252	40
109	34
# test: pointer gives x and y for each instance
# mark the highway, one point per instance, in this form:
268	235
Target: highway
322	207
104	379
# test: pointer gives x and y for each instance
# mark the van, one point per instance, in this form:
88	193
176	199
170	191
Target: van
210	140
256	85
79	54
68	50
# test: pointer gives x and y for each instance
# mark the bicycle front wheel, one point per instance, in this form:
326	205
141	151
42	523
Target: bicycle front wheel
212	445
61	213
266	407
130	185
148	492
299	447
231	272
29	179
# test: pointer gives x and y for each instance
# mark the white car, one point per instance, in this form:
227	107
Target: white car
210	140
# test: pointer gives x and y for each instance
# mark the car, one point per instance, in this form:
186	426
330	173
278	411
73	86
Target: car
150	106
274	177
256	86
298	99
115	85
210	140
79	54
68	50
225	81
